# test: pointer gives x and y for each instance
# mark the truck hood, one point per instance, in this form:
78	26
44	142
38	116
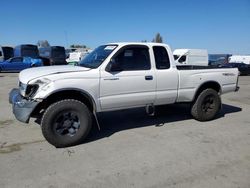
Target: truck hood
32	73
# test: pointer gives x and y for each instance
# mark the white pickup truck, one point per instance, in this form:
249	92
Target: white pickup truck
64	99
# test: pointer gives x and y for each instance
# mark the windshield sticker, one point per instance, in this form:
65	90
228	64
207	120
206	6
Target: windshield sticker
109	47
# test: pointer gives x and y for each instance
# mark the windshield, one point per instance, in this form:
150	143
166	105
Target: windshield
58	53
96	57
30	51
44	52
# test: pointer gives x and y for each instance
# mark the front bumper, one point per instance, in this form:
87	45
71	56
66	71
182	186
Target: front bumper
22	108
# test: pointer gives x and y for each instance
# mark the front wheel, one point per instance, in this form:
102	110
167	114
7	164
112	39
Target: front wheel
206	106
66	123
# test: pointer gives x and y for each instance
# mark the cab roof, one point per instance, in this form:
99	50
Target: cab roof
137	43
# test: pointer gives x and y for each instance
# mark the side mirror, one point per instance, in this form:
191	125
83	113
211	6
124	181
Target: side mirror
182	59
114	66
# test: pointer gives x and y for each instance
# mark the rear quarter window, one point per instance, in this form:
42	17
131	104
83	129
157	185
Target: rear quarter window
161	57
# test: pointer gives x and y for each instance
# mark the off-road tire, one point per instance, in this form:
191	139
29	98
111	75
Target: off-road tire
206	106
54	111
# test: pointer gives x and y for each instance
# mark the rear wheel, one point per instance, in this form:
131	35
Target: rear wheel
66	123
206	106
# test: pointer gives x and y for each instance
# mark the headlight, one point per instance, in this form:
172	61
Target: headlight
29	90
22	88
43	83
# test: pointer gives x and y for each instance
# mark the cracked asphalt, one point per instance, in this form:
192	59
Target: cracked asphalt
132	149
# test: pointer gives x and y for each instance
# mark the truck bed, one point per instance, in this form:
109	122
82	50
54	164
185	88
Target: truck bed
192	76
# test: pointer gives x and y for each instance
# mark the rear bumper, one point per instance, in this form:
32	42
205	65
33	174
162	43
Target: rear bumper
22	108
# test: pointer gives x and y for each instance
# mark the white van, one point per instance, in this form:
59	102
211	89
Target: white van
240	59
191	57
77	55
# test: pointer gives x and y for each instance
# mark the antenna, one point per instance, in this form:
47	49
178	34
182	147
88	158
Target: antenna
66	39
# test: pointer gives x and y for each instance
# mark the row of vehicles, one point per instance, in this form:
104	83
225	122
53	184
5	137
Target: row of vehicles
28	55
231	61
200	57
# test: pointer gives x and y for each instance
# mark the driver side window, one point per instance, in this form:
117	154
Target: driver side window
17	60
134	58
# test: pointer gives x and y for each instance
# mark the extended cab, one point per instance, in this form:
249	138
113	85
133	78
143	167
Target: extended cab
112	77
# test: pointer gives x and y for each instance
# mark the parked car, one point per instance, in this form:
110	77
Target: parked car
244	69
53	55
17	64
215	60
113	77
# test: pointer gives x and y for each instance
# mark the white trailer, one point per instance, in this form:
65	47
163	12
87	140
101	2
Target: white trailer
191	57
240	59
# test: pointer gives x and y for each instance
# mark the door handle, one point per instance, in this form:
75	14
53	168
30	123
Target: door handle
149	77
111	78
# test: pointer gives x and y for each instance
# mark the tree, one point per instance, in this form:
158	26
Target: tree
77	46
158	38
43	44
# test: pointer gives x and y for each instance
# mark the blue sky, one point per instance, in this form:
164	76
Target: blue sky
221	26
